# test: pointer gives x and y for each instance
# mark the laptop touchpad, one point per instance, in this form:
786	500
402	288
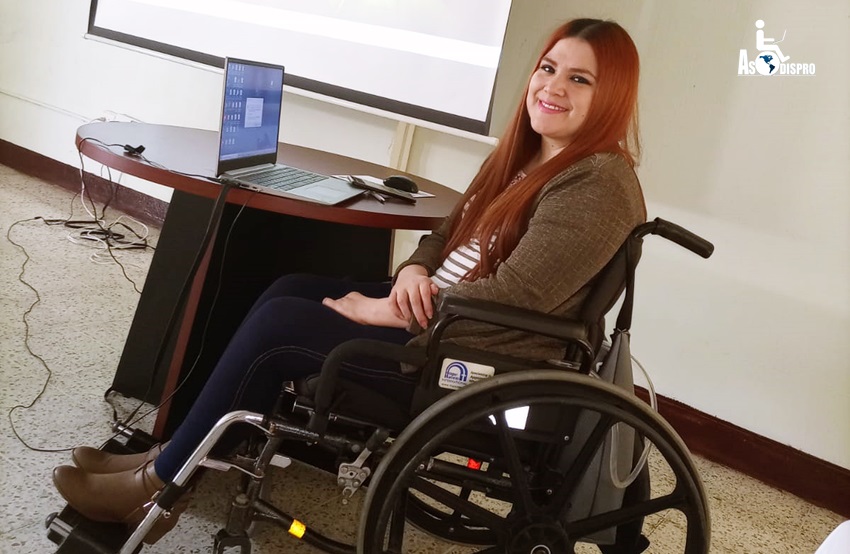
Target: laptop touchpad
324	193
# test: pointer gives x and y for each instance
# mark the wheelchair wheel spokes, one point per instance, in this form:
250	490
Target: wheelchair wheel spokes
439	520
462	509
520	495
519	480
600	522
561	498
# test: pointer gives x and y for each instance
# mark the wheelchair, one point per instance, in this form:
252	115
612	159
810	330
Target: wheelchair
503	464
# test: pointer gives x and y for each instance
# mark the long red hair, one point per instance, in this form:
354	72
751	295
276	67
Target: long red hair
610	126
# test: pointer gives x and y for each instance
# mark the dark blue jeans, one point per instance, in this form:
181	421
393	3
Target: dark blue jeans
286	335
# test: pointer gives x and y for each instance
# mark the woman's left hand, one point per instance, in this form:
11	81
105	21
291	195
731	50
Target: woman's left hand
368	311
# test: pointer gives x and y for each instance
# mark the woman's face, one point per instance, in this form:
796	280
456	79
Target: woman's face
560	92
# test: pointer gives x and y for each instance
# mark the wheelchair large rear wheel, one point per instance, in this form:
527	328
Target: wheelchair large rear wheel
472	469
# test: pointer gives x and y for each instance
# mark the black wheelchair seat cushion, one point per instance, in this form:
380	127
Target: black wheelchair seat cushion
359	402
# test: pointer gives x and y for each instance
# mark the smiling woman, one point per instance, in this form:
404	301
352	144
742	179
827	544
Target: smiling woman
341	49
560	93
599	52
544	215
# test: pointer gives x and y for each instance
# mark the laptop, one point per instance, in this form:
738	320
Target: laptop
248	138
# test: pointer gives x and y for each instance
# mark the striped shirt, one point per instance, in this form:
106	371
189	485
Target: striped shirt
462	260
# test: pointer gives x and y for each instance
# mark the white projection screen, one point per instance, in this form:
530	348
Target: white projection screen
434	60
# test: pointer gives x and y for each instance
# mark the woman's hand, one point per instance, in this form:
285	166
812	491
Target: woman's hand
412	293
368	311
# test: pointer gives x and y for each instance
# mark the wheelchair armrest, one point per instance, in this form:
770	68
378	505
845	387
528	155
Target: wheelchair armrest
344	352
453	308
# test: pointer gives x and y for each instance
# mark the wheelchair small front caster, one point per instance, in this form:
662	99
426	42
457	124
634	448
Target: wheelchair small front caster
57	530
225	541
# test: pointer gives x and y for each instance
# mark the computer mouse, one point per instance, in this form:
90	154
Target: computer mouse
401	182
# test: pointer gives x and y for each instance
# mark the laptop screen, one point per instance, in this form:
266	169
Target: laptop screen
250	114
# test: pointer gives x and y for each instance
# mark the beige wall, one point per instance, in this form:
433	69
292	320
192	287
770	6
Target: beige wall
760	166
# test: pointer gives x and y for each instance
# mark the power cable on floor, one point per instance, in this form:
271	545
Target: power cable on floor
27	344
106	236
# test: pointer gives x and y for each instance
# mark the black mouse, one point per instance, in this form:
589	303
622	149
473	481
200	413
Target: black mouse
401	182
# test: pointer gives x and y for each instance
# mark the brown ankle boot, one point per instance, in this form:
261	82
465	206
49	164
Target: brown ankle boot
107	497
123	497
93	460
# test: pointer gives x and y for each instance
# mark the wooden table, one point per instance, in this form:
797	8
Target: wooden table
260	237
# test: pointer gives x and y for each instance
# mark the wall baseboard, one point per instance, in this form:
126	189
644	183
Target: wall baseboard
138	205
817	481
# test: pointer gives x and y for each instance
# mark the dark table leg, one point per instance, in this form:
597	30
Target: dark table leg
179	242
252	248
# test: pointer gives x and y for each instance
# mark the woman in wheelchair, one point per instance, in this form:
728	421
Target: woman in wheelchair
547	210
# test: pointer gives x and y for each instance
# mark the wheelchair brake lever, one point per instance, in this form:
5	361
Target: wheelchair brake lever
352	476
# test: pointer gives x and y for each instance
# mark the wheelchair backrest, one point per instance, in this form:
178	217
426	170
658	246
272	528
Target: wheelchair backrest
608	286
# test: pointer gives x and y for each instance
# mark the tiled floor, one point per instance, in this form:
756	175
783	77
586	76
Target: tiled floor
78	327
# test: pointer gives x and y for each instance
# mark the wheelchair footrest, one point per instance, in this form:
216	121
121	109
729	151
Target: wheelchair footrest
74	534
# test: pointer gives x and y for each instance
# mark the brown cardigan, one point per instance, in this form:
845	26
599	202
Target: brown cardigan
579	220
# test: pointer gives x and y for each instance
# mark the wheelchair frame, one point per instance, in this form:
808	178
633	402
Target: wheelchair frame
526	476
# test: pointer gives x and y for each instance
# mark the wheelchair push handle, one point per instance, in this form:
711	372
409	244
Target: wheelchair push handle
677	234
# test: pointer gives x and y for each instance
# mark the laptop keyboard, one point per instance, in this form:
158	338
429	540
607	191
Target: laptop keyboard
285	178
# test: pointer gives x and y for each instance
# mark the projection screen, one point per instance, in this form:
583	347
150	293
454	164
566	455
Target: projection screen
434	60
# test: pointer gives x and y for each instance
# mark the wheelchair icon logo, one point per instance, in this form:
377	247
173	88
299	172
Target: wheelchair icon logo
456	374
769	59
456	371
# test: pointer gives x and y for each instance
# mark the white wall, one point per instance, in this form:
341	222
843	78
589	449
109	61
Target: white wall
761	166
756	335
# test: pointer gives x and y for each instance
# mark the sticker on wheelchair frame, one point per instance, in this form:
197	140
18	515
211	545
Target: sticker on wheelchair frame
456	374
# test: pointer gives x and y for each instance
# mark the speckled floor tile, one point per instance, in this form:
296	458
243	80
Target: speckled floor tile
815	526
80	326
27	498
31	539
739	505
